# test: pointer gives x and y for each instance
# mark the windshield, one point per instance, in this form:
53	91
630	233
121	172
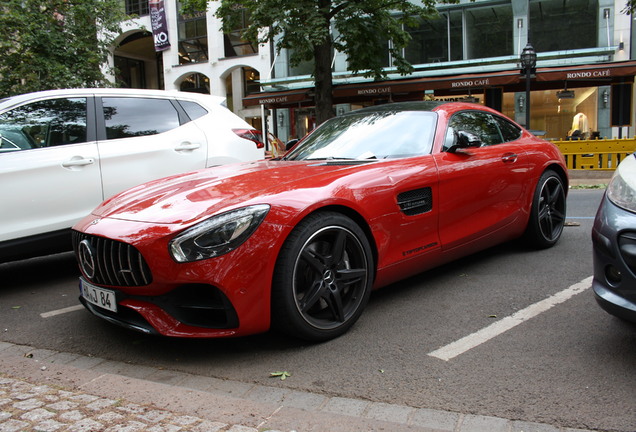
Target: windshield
368	136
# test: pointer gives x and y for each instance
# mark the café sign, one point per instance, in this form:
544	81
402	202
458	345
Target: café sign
471	83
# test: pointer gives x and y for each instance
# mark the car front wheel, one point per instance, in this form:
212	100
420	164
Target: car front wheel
547	216
323	278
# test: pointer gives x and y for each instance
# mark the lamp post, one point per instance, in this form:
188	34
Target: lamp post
528	60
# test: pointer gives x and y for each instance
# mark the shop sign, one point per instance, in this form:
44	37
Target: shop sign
471	83
273	100
589	74
159	24
374	91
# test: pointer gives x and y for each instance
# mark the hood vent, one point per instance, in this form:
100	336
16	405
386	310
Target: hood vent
416	201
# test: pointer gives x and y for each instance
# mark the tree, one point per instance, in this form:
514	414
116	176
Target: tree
56	43
313	29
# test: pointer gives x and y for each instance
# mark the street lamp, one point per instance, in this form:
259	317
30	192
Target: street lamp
528	63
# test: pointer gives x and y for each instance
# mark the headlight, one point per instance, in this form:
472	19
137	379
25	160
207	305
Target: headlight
622	189
218	235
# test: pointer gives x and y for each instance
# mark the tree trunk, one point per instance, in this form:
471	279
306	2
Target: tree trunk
324	83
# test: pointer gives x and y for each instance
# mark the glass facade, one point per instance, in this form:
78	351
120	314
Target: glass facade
563	25
489	31
436	40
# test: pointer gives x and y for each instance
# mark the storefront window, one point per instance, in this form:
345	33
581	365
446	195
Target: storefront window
561	117
489	31
552	24
193	38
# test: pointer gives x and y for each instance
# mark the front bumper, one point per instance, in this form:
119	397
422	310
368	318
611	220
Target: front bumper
614	245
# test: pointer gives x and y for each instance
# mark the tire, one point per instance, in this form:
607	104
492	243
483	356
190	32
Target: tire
547	216
323	278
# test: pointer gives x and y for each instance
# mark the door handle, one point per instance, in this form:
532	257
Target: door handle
78	162
509	158
187	146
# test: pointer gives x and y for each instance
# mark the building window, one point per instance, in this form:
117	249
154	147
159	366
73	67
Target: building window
430	40
193	38
489	31
235	44
137	7
551	25
196	83
251	81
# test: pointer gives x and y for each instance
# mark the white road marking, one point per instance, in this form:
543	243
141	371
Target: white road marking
61	311
471	341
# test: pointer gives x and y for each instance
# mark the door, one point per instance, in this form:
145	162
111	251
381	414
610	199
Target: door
49	166
480	187
142	139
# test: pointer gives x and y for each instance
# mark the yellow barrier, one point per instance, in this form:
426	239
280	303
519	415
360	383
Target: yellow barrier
602	154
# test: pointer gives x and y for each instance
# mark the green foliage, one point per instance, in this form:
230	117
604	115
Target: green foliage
55	43
313	29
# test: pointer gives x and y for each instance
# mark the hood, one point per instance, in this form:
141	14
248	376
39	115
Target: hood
188	197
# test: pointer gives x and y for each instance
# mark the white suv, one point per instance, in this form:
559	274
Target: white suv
62	152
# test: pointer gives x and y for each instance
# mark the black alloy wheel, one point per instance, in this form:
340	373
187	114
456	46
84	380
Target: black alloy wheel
323	278
547	217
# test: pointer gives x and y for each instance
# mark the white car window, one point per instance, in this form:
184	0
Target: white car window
46	123
133	117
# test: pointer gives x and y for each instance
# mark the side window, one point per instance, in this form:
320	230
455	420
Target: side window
509	131
193	109
45	123
478	123
127	117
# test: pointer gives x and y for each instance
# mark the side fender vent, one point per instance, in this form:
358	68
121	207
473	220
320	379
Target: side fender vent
416	201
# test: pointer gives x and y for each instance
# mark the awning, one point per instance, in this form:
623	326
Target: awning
604	71
459	82
278	98
413	88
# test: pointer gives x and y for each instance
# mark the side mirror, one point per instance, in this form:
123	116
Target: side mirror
464	140
291	143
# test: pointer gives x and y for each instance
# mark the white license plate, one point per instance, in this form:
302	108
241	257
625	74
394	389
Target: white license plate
101	297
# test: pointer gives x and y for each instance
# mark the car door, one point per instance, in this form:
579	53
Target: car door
480	187
49	166
145	138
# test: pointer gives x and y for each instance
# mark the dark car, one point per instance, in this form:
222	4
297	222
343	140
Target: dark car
614	240
299	242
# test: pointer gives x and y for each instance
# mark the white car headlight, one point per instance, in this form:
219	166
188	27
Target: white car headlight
218	235
622	189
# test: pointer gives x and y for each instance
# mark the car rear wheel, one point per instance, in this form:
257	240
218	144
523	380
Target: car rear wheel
323	278
547	216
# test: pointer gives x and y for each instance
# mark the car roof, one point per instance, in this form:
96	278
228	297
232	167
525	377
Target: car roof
203	98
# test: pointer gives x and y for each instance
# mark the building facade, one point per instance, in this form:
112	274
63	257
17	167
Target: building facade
583	80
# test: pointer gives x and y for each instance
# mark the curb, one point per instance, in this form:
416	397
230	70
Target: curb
158	400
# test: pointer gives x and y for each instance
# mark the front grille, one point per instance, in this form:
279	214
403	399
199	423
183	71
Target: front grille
416	201
109	262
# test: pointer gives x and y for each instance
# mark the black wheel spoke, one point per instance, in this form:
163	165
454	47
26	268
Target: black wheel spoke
314	294
350	275
338	248
314	261
334	301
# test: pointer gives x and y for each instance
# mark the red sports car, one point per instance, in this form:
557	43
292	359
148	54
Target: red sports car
298	243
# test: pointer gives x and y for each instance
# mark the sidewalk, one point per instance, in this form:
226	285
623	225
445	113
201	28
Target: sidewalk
42	390
589	177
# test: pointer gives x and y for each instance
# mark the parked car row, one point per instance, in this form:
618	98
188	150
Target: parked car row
297	242
63	152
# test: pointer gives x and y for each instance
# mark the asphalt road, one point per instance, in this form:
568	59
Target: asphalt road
569	364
